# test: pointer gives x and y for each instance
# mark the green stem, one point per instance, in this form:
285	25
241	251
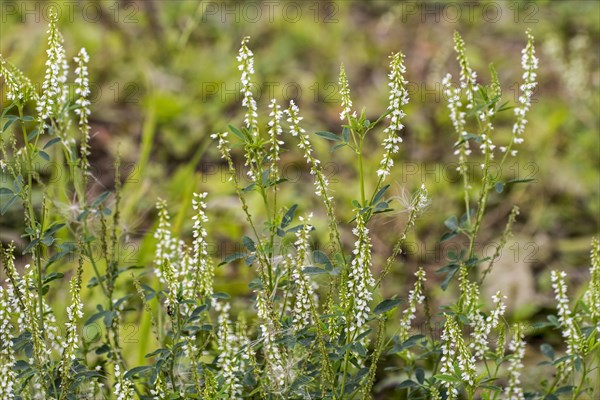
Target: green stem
580	386
32	222
362	178
361	173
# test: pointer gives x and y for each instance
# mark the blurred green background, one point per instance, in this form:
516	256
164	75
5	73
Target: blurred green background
164	77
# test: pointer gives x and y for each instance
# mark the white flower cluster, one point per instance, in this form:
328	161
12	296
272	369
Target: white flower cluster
592	295
223	146
82	89
23	304
345	95
74	315
166	246
123	387
513	390
203	269
468	77
529	63
158	392
7	353
18	85
457	116
483	326
54	91
246	60
179	267
82	103
454	349
304	286
230	361
360	279
448	354
398	98
487	146
415	297
275	131
567	320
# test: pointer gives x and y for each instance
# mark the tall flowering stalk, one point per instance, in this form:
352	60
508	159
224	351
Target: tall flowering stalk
82	105
360	280
468	77
231	361
275	131
448	355
302	310
415	297
54	92
202	264
246	66
456	359
483	326
529	63
23	303
457	116
74	315
513	390
568	320
468	86
592	295
20	88
345	95
398	98
8	374
253	149
166	247
123	388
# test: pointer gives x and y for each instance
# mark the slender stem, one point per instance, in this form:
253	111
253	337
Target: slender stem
466	190
361	173
580	386
32	222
